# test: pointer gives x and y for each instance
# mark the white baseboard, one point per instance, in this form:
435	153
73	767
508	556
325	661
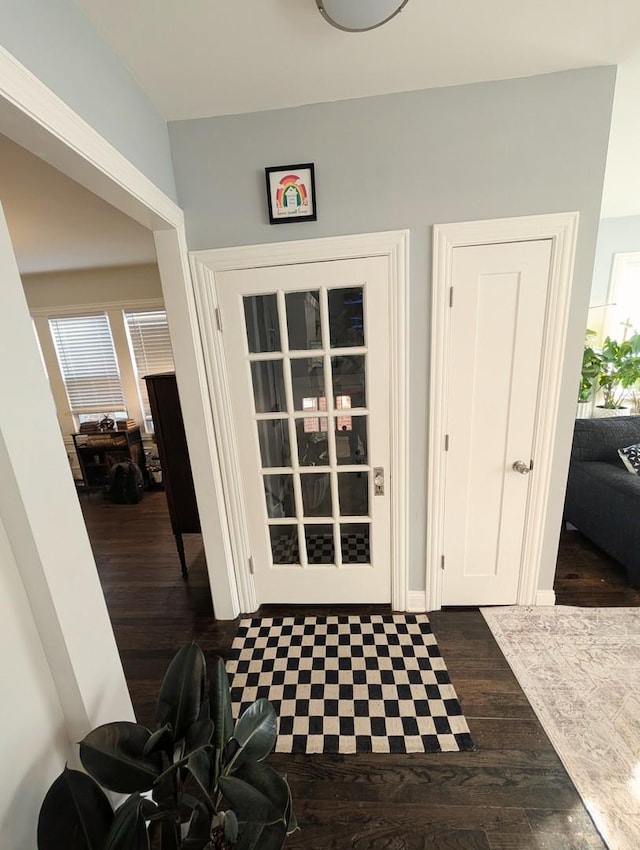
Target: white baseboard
417	601
545	597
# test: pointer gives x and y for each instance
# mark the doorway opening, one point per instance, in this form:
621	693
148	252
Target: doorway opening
92	286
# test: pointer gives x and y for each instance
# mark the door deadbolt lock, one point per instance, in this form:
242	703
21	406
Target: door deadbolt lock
378	481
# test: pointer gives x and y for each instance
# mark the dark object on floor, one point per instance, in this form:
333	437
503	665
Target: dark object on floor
603	497
174	458
210	783
349	684
126	484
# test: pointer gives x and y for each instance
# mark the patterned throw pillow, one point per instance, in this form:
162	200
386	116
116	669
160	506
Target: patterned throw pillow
631	458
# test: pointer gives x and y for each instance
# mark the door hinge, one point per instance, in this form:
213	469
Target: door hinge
441	562
251	567
446	442
531	464
451	296
218	318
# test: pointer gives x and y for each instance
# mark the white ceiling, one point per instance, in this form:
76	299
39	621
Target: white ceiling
199	58
56	224
210	57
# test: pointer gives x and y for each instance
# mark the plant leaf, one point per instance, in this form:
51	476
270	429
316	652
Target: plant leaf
230	826
220	705
256	731
272	785
200	825
113	755
169	836
201	766
182	691
273	836
161	740
258	836
198	735
164	790
250	836
246	801
129	831
75	814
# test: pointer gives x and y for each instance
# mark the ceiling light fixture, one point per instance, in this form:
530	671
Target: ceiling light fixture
359	15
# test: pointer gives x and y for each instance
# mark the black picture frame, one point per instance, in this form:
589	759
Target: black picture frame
291	193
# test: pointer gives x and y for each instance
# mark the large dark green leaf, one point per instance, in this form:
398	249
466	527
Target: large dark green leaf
256	731
249	836
257	836
220	705
200	826
113	754
160	741
273	837
201	766
165	787
198	735
129	831
246	801
75	814
182	691
272	785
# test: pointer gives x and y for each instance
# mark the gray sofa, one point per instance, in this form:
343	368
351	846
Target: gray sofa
603	497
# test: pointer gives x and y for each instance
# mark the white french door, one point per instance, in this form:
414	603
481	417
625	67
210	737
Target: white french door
307	354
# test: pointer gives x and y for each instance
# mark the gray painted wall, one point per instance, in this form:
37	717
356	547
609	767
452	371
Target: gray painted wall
58	44
411	160
615	236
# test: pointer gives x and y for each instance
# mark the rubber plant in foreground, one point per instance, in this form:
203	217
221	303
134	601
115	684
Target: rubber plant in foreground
197	782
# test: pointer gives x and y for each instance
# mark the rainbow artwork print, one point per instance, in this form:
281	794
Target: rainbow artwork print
291	193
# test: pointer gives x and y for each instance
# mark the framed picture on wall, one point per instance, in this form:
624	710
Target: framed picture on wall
291	193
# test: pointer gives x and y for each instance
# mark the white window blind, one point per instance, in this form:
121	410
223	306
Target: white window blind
151	349
88	363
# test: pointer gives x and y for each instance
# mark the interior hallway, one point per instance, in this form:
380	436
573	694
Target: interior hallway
512	793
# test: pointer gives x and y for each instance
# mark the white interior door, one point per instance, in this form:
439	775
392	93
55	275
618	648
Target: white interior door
497	326
307	354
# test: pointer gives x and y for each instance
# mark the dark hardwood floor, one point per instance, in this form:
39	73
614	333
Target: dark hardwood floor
585	576
512	793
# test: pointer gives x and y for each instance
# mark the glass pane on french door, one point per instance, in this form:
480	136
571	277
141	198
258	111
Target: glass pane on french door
308	359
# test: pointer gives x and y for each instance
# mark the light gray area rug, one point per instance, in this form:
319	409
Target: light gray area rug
580	670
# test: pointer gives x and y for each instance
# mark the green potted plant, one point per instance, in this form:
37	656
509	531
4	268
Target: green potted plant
198	782
588	377
619	372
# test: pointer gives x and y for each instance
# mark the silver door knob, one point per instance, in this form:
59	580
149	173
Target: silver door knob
521	467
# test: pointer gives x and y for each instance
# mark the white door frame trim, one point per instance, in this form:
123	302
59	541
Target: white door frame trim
36	118
562	229
394	245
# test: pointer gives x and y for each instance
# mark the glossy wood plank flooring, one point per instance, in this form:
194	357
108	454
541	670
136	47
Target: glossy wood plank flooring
587	577
512	793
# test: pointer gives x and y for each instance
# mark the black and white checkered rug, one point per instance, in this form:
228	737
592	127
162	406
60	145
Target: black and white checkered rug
347	684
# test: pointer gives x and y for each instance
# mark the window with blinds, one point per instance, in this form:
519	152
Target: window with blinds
88	363
151	350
